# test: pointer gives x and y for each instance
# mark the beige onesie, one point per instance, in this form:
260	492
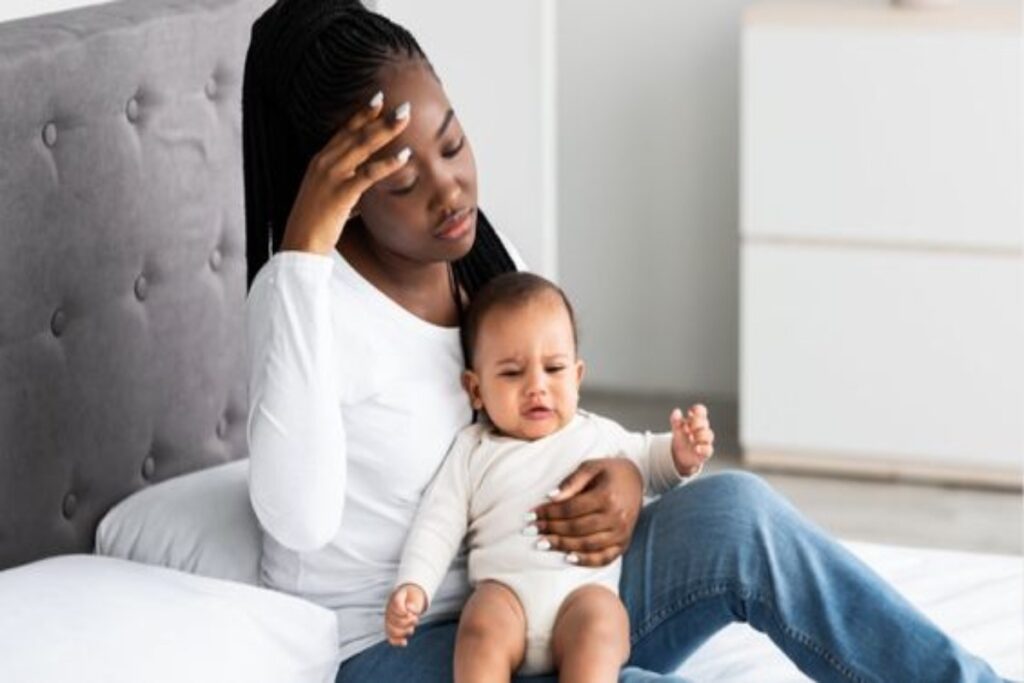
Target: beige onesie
482	492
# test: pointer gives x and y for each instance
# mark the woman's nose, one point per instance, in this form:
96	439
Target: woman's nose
447	190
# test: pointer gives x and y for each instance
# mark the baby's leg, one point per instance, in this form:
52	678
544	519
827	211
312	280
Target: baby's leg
491	640
591	637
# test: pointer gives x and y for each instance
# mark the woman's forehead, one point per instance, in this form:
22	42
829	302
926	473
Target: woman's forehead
413	81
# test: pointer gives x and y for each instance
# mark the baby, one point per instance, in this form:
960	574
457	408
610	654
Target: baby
531	611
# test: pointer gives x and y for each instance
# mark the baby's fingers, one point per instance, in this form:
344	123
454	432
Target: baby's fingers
704	435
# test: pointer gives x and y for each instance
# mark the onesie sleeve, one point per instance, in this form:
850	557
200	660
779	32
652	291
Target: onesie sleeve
441	520
297	471
652	454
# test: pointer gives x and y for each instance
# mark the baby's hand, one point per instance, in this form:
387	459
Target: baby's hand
692	439
403	613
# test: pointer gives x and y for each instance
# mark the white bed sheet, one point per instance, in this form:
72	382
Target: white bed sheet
977	598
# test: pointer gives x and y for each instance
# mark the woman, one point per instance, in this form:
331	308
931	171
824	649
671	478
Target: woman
361	183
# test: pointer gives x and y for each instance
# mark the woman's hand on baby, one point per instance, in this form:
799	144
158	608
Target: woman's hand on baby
405	606
340	173
692	439
593	512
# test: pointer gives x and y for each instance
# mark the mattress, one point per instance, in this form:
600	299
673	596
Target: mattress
977	598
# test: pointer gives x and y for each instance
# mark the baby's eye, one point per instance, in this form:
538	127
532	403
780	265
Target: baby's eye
555	368
510	373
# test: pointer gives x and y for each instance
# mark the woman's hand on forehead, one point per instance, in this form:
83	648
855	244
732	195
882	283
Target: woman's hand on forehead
339	174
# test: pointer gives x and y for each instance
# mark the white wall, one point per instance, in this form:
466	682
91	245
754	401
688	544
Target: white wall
497	63
17	9
648	184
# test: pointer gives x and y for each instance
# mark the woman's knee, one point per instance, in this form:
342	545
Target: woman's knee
725	503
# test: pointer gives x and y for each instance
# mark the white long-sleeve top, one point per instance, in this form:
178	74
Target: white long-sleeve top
353	403
489	482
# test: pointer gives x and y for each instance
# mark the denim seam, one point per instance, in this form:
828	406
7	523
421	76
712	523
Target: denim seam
656	619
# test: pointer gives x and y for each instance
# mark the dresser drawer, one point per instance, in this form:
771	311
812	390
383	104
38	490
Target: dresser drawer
885	355
882	128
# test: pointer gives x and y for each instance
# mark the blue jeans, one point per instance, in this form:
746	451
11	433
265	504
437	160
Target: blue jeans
727	548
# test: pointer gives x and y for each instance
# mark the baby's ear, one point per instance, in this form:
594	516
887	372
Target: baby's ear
581	368
471	383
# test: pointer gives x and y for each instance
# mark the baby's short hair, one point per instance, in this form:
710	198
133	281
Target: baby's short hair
508	290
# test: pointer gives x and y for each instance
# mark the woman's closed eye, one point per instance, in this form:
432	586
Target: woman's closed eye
453	151
399	191
447	154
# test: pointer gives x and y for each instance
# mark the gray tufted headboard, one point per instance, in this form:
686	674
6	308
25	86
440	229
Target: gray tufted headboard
122	259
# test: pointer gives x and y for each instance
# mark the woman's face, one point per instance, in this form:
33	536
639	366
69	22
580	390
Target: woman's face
425	212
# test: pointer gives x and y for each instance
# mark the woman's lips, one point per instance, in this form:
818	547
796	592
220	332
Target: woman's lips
456	226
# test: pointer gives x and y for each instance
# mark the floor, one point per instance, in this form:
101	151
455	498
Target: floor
908	514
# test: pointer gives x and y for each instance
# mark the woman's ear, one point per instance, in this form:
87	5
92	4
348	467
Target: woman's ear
471	383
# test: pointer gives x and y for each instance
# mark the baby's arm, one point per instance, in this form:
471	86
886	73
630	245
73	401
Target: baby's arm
662	462
434	538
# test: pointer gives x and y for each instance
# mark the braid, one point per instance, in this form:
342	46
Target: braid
486	259
310	64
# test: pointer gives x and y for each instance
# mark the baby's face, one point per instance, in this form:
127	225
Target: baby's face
525	372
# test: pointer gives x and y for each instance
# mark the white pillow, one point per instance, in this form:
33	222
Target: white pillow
200	522
91	619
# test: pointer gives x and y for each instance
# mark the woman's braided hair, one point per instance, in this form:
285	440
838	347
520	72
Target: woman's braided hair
311	62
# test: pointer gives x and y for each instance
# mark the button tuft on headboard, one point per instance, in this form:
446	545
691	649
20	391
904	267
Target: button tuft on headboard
131	110
222	427
211	87
148	467
69	505
141	288
50	134
58	321
215	259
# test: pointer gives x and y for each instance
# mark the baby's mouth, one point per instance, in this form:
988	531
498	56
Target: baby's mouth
538	413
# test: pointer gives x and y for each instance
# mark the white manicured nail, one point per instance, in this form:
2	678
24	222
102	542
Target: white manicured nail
377	100
530	531
572	558
530	517
553	493
543	544
403	111
404	155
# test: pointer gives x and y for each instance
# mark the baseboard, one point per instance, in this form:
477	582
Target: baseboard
889	469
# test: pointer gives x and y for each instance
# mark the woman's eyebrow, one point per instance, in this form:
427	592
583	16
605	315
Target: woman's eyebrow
444	124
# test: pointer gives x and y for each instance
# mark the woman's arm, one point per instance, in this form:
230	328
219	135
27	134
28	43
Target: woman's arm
296	435
295	431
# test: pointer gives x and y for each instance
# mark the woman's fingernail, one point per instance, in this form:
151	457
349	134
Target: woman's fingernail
553	493
543	544
377	100
572	558
530	517
403	156
402	112
530	531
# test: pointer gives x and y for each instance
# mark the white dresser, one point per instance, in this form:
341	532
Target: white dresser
882	298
